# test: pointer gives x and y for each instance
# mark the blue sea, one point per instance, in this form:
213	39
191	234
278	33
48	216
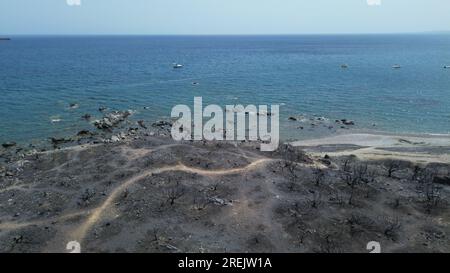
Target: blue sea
40	76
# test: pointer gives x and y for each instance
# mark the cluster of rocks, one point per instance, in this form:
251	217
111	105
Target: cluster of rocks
74	105
86	116
132	133
7	145
12	167
163	126
314	121
108	132
5	172
59	141
106	135
345	122
84	133
142	124
112	119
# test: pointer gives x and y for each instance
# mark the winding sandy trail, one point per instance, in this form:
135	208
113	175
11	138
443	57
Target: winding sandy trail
18	225
80	233
93	216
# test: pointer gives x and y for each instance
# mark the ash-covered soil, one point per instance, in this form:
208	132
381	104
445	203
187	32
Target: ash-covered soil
155	195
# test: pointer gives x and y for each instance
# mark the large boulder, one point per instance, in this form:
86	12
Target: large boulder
9	144
347	122
58	141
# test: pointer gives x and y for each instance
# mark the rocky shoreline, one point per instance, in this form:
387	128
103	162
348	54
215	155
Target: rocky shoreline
121	123
112	127
115	127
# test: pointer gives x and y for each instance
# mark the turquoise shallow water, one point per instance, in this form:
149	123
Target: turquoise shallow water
40	76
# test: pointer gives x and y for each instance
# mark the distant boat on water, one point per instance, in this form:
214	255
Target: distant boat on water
447	66
344	65
396	66
4	39
177	65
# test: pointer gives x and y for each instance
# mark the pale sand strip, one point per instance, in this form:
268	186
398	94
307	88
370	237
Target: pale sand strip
419	149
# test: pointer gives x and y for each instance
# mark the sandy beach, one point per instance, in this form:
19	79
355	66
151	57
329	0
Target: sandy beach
415	148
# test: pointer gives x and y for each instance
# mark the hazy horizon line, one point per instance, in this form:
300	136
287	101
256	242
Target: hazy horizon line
225	34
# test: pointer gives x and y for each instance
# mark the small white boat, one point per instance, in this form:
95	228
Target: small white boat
176	65
396	66
447	66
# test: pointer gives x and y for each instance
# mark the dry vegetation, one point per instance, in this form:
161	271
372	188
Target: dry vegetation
153	195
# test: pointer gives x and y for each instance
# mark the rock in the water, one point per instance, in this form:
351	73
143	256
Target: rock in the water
293	118
9	144
112	119
83	133
162	124
347	122
57	141
86	116
73	105
102	108
142	124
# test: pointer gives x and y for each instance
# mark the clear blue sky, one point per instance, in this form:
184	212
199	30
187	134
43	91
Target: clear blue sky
222	16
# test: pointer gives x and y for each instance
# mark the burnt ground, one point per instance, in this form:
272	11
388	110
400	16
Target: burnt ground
155	195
